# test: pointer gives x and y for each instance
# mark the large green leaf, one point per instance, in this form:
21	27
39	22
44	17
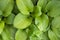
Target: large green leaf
20	35
21	21
56	26
56	22
52	35
42	22
3	4
29	5
1	26
22	7
8	9
42	4
8	33
53	8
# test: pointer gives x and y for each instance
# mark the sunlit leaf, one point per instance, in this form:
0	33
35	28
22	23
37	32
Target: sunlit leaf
29	5
22	7
1	26
3	4
8	33
52	35
8	9
21	21
42	22
20	35
37	11
56	26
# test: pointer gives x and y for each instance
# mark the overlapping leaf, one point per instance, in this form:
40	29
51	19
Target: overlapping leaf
10	19
42	22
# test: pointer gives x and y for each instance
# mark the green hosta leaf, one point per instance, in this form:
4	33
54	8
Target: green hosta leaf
52	35
56	25
1	26
21	21
10	19
20	35
57	32
42	22
22	7
37	11
42	4
8	9
53	8
29	5
3	4
56	22
8	33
